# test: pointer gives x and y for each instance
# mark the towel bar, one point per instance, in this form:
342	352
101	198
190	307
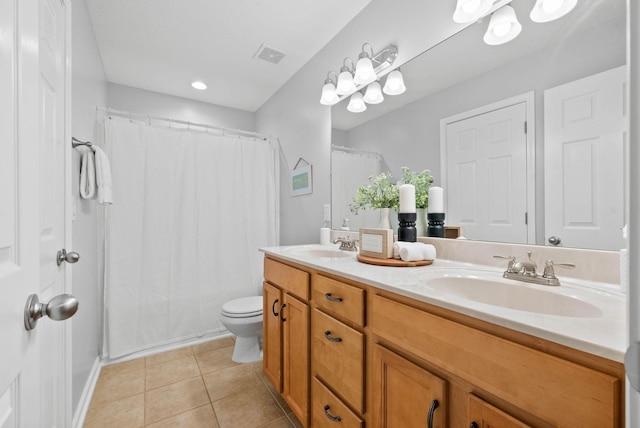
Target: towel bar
75	143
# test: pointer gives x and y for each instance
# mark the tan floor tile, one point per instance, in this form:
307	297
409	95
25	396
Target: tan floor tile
171	371
126	412
169	356
279	423
275	394
170	400
217	359
116	382
202	417
213	344
249	409
229	381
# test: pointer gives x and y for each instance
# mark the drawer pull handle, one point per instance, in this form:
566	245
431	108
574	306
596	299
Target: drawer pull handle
332	299
473	425
284	305
273	307
327	414
330	338
432	409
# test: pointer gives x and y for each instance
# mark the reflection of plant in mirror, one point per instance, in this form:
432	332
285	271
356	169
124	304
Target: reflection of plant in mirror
380	193
422	181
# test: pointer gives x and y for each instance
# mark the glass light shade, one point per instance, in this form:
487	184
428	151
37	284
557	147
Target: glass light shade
329	95
471	10
364	71
503	27
356	103
394	84
373	94
345	83
548	10
199	85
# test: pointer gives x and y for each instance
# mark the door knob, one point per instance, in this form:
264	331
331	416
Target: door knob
554	240
58	308
63	256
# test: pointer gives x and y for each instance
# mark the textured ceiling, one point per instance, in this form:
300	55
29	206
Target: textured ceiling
164	45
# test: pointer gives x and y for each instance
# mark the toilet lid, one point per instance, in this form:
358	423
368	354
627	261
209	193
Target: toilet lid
246	306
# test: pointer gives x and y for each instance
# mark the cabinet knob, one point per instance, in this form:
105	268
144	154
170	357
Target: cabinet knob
327	414
432	410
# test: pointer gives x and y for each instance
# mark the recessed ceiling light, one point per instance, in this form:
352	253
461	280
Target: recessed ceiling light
199	85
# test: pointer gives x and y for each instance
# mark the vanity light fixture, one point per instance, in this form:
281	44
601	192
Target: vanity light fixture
201	86
329	95
503	27
548	10
356	103
346	84
373	94
364	67
471	10
395	83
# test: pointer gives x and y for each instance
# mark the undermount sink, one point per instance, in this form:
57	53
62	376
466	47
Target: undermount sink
514	296
323	251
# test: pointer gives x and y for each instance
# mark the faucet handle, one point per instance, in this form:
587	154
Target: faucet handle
511	259
548	268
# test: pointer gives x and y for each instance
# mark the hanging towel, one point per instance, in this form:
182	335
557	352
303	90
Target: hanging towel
103	176
413	251
87	174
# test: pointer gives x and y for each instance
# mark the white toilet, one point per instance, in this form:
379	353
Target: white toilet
243	318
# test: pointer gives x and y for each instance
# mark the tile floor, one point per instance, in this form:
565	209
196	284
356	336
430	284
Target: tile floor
192	387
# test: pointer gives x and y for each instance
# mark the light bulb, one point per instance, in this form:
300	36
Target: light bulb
503	26
199	85
373	95
551	6
356	103
470	6
345	83
329	96
394	84
501	29
548	10
364	71
471	10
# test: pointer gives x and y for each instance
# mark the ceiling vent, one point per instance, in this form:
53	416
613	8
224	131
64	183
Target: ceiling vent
269	54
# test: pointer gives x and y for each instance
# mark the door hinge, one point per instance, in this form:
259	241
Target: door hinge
526	218
525	126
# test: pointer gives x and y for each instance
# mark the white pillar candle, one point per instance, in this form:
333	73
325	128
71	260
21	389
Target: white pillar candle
407	198
436	200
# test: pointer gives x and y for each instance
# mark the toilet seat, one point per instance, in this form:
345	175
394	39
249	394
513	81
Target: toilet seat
245	307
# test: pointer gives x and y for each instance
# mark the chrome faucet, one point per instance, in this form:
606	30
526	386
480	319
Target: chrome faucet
346	244
527	271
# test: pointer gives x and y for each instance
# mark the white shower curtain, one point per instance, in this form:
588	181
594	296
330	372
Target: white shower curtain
190	211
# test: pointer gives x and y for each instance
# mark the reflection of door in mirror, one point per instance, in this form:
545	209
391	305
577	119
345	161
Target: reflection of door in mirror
351	169
484	156
583	149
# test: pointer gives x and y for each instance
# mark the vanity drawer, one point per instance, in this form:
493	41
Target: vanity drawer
288	278
341	299
338	357
557	391
326	408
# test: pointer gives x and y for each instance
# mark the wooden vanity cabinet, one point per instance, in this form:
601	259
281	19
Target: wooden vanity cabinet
286	334
484	415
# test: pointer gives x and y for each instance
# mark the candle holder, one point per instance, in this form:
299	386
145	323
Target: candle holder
436	225
407	227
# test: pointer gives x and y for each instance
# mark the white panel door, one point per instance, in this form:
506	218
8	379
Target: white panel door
486	175
34	373
585	130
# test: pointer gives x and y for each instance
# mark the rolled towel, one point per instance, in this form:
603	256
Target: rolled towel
103	176
413	251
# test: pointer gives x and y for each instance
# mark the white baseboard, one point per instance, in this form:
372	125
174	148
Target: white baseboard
87	393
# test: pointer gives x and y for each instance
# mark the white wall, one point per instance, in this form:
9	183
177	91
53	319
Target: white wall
304	125
141	101
88	90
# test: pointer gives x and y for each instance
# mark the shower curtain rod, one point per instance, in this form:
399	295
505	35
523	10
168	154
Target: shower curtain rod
357	151
149	118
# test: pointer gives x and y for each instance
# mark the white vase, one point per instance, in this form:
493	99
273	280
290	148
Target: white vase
384	218
421	221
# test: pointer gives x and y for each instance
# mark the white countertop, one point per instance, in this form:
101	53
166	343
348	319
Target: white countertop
603	335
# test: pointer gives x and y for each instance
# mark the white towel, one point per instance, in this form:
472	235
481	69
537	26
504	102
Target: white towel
87	174
103	176
413	251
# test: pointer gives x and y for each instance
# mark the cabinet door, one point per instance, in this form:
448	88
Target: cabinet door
295	326
484	415
406	395
272	335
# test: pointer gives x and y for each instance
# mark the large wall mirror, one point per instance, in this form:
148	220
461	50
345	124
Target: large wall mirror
527	138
